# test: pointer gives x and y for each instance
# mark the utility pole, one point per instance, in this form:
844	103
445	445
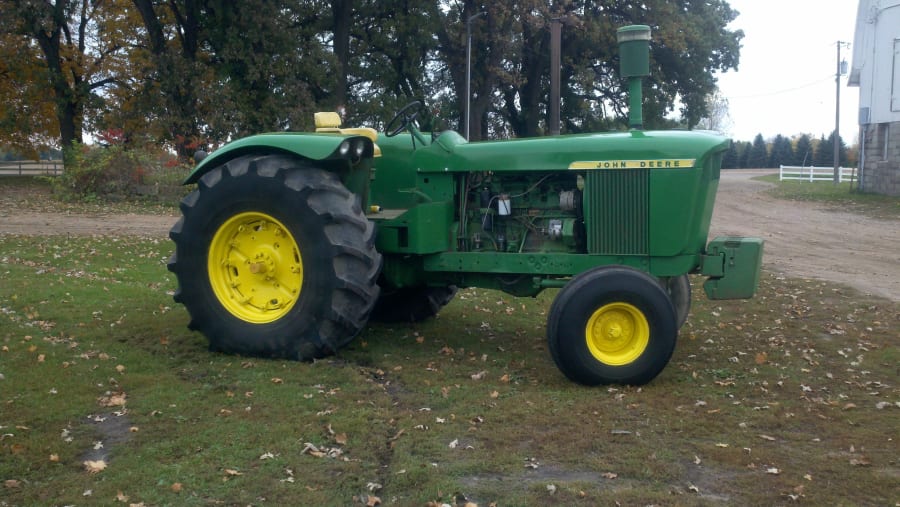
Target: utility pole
840	70
555	36
469	68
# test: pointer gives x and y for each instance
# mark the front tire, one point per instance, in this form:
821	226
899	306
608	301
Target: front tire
275	258
612	325
679	290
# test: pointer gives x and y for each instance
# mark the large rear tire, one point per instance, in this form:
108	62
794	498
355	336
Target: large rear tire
275	258
612	325
412	304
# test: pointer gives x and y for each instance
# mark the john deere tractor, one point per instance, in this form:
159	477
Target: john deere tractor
292	242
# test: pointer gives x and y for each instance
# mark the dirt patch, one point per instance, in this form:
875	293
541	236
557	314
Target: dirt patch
809	240
805	240
29	209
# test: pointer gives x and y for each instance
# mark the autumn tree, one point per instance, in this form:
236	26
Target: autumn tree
76	54
28	119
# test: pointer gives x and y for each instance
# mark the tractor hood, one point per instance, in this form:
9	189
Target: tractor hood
626	150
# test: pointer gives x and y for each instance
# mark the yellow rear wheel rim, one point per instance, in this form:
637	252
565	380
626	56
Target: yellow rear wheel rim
617	334
255	267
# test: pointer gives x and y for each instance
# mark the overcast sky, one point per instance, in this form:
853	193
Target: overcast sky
785	81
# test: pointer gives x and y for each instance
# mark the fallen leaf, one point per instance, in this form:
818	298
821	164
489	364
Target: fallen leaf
862	461
609	475
276	380
54	458
176	488
478	376
767	437
373	501
11	484
232	472
94	467
773	471
113	400
551	488
341	439
454	443
121	497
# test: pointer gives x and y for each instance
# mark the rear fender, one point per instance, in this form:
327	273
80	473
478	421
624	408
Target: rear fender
316	147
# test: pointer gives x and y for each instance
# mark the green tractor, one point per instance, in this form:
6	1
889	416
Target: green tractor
292	242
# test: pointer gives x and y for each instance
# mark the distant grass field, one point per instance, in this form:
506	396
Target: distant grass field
107	398
843	196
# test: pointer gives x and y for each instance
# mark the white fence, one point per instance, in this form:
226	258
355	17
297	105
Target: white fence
813	173
31	168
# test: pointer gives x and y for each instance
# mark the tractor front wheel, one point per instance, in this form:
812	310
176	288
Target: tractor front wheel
275	258
612	325
679	290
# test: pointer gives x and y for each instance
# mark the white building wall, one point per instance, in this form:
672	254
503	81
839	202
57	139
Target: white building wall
876	71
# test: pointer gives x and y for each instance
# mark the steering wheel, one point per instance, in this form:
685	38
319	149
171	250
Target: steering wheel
403	118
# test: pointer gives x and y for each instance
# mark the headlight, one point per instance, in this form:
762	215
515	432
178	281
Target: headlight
359	148
344	149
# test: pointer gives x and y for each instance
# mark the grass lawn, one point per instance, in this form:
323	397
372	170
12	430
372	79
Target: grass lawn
107	398
843	196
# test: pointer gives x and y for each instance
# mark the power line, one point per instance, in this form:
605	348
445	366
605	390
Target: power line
786	90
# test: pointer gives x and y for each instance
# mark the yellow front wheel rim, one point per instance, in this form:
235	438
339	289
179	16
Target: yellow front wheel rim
617	334
255	267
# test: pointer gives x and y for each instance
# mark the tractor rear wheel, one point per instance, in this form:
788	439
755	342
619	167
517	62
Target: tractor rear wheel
275	258
612	325
412	304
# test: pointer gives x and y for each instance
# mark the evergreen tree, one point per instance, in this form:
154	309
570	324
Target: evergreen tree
730	160
759	154
842	150
782	152
824	152
744	161
803	151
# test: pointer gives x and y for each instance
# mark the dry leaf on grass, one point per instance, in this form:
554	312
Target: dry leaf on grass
94	467
113	400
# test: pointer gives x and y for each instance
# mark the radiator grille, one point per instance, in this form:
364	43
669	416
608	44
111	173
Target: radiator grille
617	211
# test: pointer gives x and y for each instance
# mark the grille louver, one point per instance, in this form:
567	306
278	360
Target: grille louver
617	208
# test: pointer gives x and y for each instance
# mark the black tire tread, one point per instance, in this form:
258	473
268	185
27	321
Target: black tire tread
355	262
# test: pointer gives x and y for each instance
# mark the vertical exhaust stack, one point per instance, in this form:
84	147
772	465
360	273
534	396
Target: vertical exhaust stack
634	64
